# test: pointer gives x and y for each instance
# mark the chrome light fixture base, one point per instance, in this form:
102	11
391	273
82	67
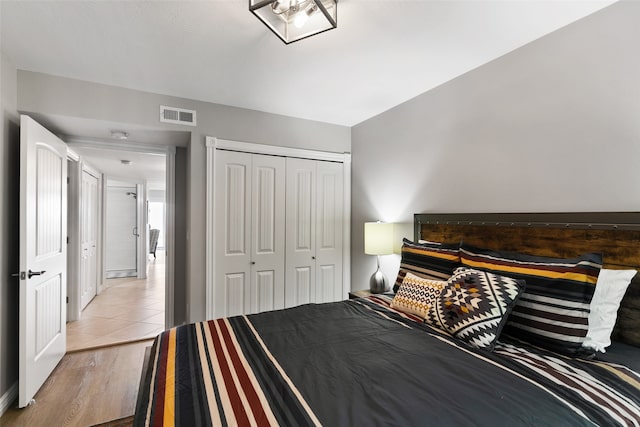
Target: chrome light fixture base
378	282
294	20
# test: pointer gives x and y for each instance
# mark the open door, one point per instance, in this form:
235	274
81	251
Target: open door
43	256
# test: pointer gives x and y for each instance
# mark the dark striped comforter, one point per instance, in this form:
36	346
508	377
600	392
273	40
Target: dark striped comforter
359	362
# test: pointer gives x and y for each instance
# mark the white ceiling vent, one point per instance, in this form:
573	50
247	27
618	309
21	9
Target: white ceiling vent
178	116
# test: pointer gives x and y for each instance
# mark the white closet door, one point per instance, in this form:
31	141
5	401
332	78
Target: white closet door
301	230
88	237
329	230
250	196
267	234
232	224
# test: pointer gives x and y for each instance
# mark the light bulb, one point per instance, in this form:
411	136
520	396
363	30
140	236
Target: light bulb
301	19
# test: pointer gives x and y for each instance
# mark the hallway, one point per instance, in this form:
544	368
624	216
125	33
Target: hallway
127	309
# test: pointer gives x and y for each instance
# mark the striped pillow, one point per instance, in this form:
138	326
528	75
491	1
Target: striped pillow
434	261
416	295
553	311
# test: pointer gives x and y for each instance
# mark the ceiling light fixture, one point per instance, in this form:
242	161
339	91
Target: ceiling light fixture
118	134
293	20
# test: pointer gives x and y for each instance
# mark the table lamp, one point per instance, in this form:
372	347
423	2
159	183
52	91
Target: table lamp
378	240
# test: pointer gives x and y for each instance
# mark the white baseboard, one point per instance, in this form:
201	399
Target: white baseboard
8	398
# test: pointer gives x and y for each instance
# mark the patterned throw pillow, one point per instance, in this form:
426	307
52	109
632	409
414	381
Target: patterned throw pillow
474	306
434	261
553	311
416	295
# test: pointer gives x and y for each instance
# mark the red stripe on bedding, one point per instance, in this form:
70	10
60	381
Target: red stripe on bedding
161	378
247	386
232	392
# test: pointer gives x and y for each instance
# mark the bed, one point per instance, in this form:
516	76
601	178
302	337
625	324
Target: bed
365	361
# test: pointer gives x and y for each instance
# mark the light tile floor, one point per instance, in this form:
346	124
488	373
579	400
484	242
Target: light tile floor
126	310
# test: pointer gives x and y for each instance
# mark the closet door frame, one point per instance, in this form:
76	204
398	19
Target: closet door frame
213	144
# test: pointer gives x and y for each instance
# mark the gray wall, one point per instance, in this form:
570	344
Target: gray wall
45	94
9	222
552	126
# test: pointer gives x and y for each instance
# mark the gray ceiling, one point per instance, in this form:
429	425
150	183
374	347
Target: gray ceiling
383	53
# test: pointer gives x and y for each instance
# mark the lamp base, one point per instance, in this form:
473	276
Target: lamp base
378	282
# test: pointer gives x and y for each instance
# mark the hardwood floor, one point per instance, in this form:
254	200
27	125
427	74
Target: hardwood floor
128	309
86	388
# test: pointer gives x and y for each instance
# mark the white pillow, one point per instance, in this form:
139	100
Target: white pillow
610	288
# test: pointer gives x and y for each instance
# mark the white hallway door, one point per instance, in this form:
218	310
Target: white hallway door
43	256
88	238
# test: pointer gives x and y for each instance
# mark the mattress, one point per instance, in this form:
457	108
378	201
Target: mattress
359	362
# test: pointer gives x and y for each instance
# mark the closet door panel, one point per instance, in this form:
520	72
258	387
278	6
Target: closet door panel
232	223
235	288
300	232
267	233
330	221
263	290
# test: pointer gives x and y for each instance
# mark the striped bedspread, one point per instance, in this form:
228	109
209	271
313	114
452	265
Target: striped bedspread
359	362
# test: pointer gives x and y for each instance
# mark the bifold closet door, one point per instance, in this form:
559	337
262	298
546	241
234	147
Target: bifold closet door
267	233
300	283
329	230
315	218
249	224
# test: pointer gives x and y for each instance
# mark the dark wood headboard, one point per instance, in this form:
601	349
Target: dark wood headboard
614	234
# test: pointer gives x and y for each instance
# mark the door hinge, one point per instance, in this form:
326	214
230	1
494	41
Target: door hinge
67	240
67	300
67	180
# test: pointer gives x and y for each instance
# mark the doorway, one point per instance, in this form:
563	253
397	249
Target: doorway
121	229
131	302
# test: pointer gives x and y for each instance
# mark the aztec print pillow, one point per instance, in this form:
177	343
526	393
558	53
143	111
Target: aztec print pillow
474	306
434	261
416	295
553	311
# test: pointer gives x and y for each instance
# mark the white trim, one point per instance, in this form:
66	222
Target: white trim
8	398
212	145
169	151
72	155
136	147
86	167
346	244
274	150
210	250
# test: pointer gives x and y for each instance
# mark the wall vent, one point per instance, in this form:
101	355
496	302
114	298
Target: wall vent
178	116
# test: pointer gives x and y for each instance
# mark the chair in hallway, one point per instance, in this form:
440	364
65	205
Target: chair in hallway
153	241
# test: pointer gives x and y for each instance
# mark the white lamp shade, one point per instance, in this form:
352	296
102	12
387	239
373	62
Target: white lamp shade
378	238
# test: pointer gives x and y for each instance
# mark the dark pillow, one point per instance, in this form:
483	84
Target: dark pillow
474	306
553	311
435	261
